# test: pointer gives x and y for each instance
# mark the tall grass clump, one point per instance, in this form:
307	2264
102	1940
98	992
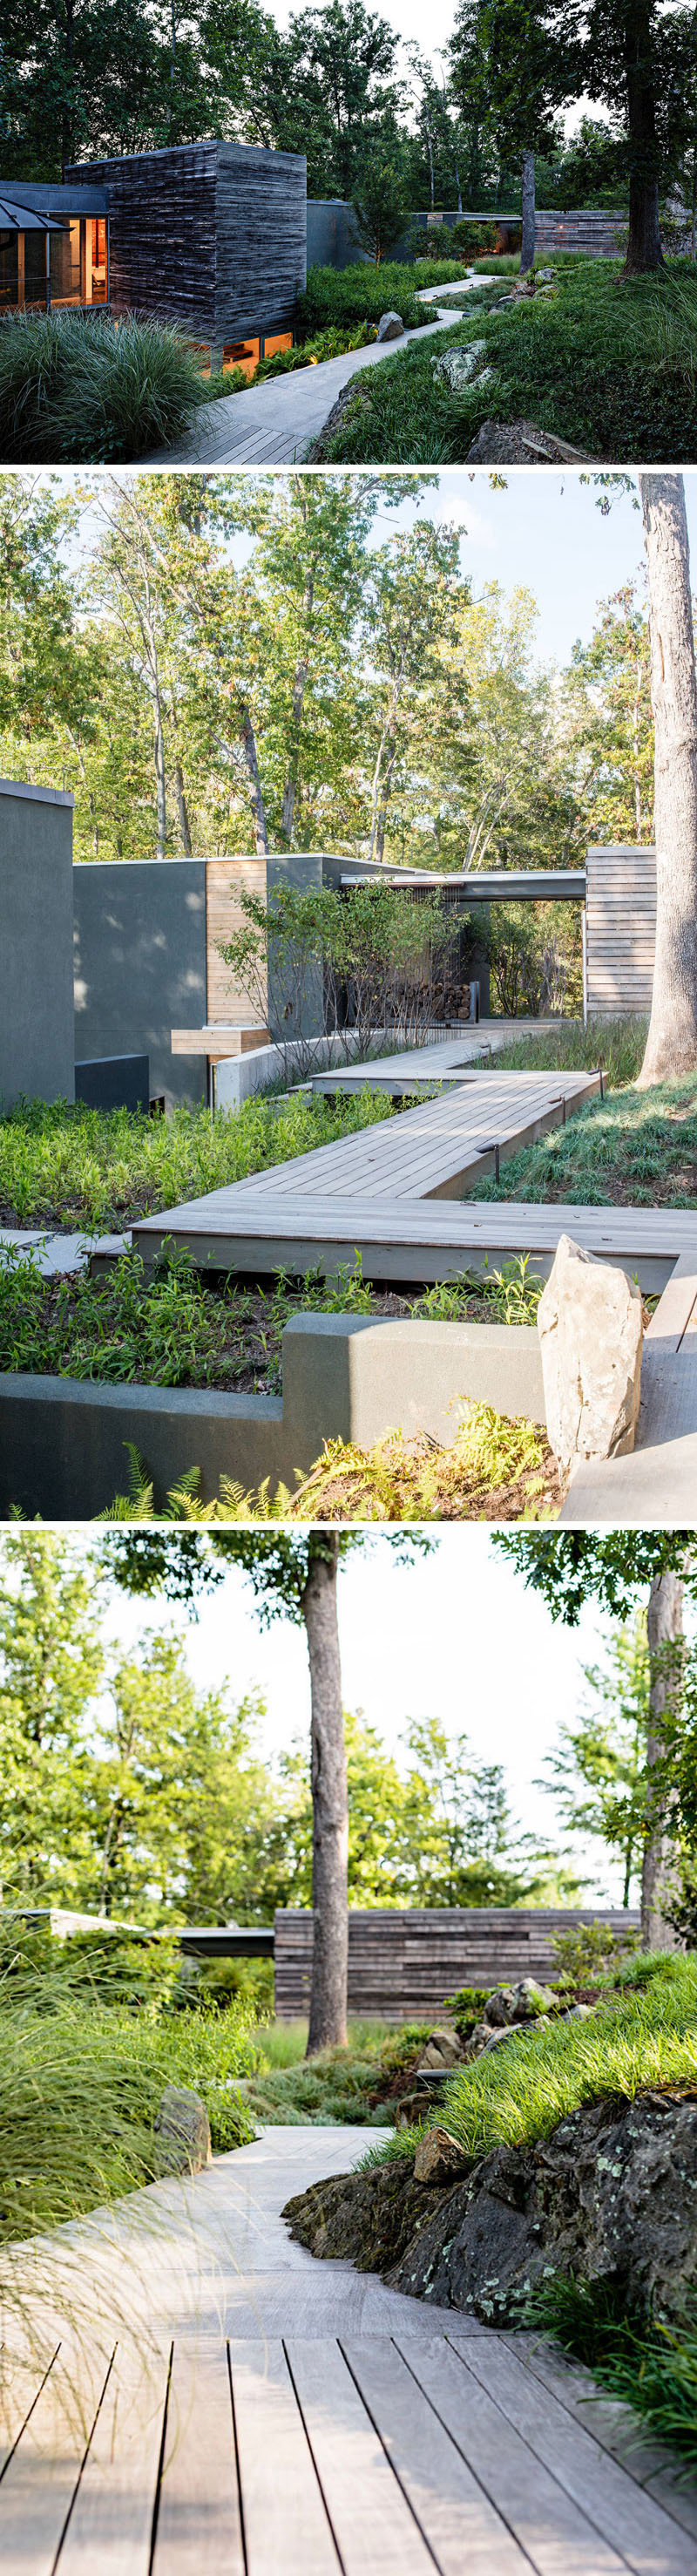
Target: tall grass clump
76	390
648	2363
616	1046
663	336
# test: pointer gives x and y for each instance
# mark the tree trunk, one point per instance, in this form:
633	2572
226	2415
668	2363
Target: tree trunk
671	1047
248	741
527	247
644	240
665	1637
183	810
329	1803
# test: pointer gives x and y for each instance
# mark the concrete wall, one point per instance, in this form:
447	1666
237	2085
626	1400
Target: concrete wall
332	239
63	1445
140	965
36	999
302	870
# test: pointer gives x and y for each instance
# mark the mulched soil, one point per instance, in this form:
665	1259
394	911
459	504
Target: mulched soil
238	1341
429	1483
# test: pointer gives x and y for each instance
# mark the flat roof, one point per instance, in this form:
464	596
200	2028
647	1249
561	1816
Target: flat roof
36	795
480	885
43	197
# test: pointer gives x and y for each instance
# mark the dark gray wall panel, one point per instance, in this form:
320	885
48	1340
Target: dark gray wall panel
36	984
140	965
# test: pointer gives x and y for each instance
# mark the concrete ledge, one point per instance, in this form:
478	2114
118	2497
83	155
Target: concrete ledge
63	1444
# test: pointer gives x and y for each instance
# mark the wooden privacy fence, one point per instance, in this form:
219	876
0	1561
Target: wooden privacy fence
402	1964
620	928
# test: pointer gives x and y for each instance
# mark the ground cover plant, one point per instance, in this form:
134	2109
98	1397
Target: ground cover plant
648	2363
66	1168
363	2083
606	362
614	1047
75	391
176	1326
493	1469
361	293
79	2090
631	1149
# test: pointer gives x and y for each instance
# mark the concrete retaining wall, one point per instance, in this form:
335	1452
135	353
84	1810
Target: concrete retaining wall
63	1446
36	899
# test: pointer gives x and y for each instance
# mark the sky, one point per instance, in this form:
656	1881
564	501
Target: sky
456	1635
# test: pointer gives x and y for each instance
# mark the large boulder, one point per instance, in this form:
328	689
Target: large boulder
590	1324
442	2048
456	368
182	2131
390	326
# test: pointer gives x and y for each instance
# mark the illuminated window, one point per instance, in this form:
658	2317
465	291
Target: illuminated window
242	353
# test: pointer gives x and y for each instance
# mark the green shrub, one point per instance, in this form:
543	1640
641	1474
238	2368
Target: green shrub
332	343
73	1166
102	1966
357	294
74	390
467	2007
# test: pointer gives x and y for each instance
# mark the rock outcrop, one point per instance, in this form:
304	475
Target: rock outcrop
611	2196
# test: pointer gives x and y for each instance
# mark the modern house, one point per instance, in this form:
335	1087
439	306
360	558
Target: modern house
210	236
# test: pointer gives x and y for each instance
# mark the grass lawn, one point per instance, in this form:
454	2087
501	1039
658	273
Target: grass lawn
632	1149
607	363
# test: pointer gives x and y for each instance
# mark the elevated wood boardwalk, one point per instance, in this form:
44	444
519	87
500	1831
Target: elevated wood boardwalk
266	2415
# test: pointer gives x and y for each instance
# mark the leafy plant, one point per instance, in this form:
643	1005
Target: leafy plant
651	2365
588	1951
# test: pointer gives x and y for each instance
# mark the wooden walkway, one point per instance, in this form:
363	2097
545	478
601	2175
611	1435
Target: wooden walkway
274	422
295	2418
396	1194
429	1068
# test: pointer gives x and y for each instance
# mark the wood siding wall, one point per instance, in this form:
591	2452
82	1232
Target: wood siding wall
620	929
260	239
225	880
584	228
162	233
403	1965
210	235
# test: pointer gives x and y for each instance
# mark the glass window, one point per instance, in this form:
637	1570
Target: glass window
8	268
35	268
241	353
65	264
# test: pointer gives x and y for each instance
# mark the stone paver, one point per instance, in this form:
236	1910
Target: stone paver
274	422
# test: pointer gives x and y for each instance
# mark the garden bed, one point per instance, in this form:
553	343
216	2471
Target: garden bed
70	1167
608	364
631	1149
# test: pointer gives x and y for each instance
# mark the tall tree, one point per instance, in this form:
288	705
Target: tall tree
596	1771
531	52
572	1568
292	1577
671	1047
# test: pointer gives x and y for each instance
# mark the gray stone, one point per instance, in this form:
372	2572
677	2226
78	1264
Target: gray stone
390	326
457	367
443	2048
438	2158
590	1324
182	2131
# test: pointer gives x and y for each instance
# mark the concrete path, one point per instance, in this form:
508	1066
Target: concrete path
227	2406
275	422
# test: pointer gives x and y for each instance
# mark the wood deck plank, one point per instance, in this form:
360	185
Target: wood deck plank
461	2526
558	2537
275	2466
628	2518
375	2530
199	2528
110	2527
42	2477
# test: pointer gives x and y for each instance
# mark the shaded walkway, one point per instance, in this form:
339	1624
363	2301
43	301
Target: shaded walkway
230	2407
274	422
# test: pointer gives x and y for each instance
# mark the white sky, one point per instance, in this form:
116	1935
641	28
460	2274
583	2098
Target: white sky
456	1635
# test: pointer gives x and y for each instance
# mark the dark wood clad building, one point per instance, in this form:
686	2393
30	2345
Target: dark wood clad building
210	236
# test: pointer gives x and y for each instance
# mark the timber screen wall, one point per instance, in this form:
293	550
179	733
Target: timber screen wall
210	235
620	929
404	1964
